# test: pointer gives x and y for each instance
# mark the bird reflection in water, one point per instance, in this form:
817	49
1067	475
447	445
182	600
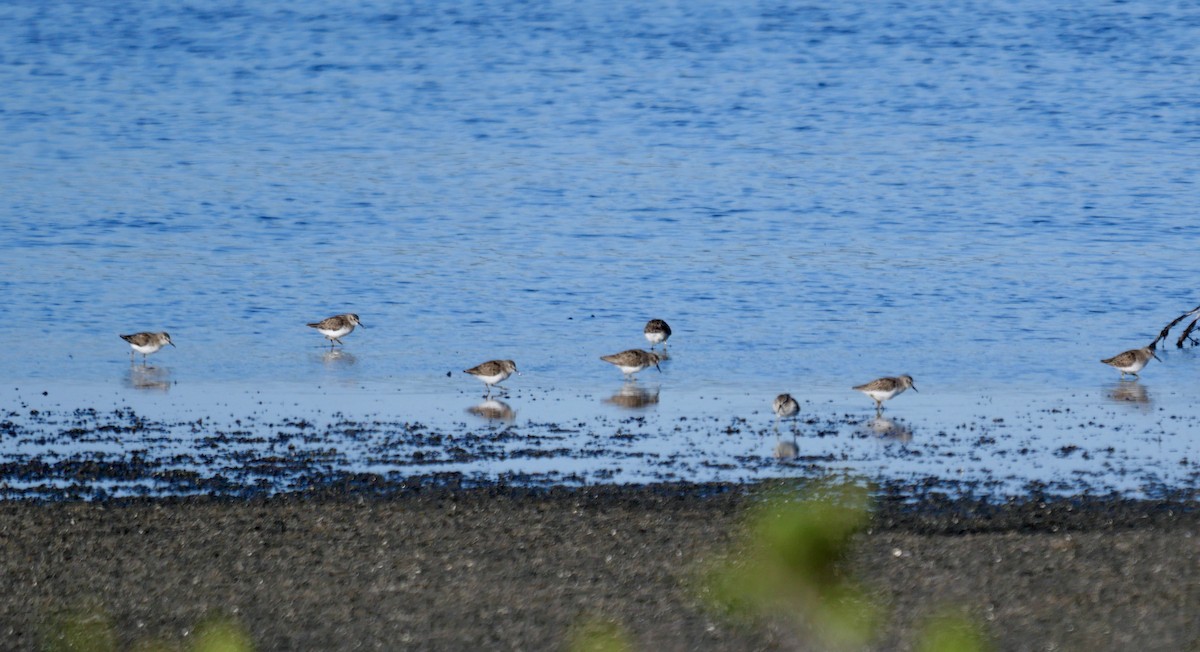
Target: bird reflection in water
1130	391
786	449
149	378
493	410
632	396
338	358
890	429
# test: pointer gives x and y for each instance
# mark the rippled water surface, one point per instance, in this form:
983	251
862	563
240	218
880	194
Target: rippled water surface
988	196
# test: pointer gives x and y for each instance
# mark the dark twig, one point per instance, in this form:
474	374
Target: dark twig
1186	332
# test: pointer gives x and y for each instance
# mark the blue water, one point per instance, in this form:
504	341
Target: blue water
989	196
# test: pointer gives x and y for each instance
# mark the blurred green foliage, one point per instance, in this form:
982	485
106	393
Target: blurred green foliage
83	630
91	630
951	632
599	635
221	635
788	565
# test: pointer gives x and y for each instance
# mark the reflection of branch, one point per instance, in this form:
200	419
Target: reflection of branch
1186	332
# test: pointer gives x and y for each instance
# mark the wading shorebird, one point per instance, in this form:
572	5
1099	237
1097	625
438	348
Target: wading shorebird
785	407
146	343
1132	361
632	361
336	327
657	332
881	389
493	372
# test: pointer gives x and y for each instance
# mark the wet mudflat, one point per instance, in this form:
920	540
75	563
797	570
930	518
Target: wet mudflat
517	568
99	442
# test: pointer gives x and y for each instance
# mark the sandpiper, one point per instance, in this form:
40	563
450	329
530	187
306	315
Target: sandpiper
657	332
1132	361
632	361
146	343
784	406
493	372
336	327
881	389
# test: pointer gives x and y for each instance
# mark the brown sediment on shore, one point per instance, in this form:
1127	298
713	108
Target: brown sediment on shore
506	568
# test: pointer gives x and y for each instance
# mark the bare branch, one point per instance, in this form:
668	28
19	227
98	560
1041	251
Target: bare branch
1187	331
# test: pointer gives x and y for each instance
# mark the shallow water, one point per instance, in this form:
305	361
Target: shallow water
1130	439
990	198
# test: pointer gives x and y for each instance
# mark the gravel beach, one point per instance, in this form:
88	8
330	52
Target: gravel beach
504	568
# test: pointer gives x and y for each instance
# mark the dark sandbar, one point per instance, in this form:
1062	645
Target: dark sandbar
506	568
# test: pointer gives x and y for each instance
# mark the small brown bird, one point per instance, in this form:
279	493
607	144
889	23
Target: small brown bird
146	343
784	406
657	332
336	327
632	361
493	372
881	389
1132	361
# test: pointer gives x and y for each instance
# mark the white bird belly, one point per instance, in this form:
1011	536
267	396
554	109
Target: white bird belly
333	335
1137	366
146	349
631	370
492	380
656	338
879	395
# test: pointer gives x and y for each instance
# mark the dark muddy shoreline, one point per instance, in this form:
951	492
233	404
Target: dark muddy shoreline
428	567
91	454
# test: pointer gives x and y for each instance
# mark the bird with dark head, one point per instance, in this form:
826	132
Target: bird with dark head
632	361
336	327
146	343
1132	361
882	389
657	332
493	372
784	407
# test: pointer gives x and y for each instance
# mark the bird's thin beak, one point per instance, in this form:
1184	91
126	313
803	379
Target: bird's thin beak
658	367
1155	356
914	387
171	343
